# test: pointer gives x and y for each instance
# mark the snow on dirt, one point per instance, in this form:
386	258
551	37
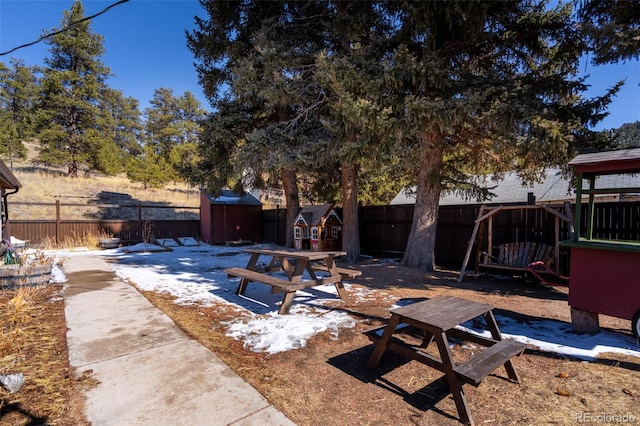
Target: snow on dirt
194	274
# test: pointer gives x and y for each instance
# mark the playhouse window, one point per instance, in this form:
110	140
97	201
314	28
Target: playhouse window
314	233
334	232
296	232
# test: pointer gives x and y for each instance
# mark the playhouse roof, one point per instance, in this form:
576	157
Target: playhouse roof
314	214
229	197
620	161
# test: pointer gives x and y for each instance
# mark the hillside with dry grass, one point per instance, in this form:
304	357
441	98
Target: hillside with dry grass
41	184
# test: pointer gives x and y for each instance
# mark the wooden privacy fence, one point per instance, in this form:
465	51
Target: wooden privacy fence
384	230
128	222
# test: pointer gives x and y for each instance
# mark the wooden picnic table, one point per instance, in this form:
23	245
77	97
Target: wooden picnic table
294	263
438	319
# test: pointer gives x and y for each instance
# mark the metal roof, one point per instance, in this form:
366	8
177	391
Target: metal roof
554	188
229	197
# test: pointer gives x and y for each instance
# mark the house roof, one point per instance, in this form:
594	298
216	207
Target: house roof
229	197
7	178
620	161
314	214
554	188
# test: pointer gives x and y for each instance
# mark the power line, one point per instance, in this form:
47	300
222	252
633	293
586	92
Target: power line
73	24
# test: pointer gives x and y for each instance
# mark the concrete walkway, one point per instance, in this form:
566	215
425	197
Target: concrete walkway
149	371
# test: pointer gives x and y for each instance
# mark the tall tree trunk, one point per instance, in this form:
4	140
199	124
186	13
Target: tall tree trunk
350	229
422	238
73	169
290	186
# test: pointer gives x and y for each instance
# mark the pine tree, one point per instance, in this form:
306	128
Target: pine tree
278	62
483	87
611	29
254	59
148	168
69	104
17	94
122	121
436	91
172	130
627	135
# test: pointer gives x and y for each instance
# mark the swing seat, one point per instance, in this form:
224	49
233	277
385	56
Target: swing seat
517	256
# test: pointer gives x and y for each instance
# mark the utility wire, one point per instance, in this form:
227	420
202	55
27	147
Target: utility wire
73	24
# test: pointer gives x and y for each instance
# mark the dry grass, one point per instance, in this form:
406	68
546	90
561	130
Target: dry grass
44	185
33	342
88	240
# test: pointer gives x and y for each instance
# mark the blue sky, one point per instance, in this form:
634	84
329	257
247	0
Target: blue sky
146	49
144	41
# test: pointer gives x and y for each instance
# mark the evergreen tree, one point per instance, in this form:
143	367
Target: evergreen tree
627	135
483	87
254	62
220	134
279	61
349	74
148	168
436	91
69	109
123	121
611	29
172	129
18	86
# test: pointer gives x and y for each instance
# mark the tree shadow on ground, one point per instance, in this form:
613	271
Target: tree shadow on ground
121	206
15	410
399	276
354	363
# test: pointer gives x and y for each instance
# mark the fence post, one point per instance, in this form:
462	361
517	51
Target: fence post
58	221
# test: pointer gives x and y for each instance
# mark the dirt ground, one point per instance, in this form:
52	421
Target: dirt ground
33	342
327	382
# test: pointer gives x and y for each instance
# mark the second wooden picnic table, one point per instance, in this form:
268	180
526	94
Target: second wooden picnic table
438	319
294	263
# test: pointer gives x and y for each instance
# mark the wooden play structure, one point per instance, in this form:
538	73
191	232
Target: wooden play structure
605	274
318	228
538	258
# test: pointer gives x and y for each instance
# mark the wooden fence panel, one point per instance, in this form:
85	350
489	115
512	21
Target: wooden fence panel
129	231
384	230
274	226
133	221
455	226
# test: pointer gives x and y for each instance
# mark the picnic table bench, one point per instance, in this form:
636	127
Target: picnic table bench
280	261
438	319
344	272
